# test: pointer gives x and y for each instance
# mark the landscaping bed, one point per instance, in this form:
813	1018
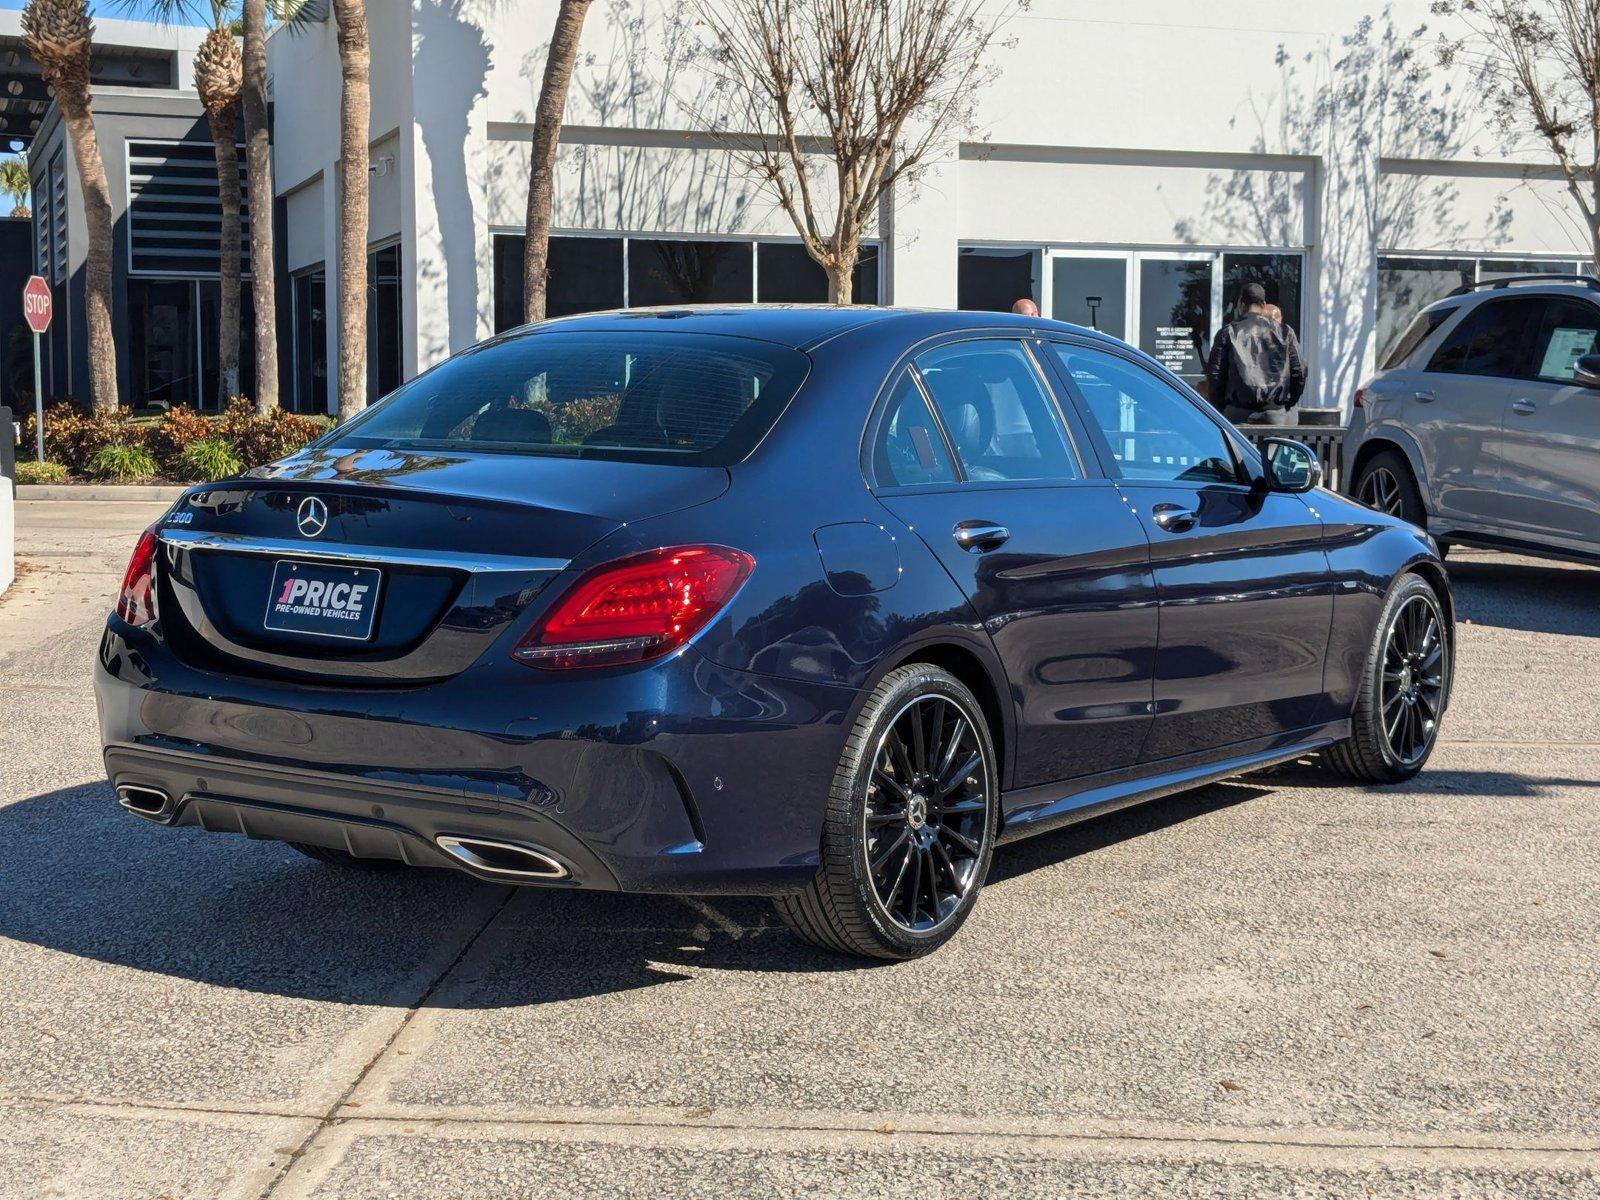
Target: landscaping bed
176	446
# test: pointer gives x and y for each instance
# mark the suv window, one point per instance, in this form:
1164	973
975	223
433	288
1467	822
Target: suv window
1155	432
1492	339
1568	332
1416	333
909	449
1000	419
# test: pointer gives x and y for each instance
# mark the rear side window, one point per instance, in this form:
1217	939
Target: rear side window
1421	327
1492	339
1568	332
686	398
909	449
1000	419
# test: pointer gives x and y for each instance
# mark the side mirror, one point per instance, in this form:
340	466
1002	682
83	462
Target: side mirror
1291	466
1586	371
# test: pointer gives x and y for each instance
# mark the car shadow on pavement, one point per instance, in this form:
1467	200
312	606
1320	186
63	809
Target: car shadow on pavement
83	878
1526	594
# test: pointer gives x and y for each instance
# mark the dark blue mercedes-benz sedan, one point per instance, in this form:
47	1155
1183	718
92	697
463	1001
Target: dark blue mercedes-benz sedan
818	603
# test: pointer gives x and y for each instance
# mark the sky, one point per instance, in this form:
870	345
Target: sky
133	10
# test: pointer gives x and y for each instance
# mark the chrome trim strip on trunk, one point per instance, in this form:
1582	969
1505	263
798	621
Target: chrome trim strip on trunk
187	539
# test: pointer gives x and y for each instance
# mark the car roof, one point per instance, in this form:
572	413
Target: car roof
801	326
1499	289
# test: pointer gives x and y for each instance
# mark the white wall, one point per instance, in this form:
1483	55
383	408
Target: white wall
8	535
1328	128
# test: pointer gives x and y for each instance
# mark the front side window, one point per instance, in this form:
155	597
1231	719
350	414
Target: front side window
1492	339
1568	332
999	417
1155	432
909	450
686	398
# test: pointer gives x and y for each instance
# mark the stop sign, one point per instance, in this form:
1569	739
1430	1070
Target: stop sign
36	303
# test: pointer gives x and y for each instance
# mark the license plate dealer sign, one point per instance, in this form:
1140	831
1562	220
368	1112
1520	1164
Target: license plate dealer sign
323	601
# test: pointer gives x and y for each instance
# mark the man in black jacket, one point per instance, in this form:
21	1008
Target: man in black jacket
1255	371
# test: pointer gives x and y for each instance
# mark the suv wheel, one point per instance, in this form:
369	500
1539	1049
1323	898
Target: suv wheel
1387	485
1403	688
910	826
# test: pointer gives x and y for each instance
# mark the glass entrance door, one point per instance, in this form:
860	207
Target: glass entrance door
1091	289
1175	304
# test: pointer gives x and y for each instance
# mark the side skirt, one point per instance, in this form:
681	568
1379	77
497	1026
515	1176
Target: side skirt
1049	806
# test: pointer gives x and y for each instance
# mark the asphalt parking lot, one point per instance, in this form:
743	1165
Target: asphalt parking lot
1273	986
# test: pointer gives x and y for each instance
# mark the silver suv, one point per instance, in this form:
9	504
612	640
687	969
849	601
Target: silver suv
1484	422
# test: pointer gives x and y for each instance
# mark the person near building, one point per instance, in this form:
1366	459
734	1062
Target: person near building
1025	307
1255	374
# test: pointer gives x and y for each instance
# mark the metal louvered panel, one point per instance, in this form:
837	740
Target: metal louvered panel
58	218
174	214
41	228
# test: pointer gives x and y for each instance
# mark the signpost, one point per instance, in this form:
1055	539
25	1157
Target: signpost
36	307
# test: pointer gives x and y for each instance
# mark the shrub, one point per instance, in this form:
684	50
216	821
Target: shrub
29	471
258	439
205	460
122	464
73	437
177	430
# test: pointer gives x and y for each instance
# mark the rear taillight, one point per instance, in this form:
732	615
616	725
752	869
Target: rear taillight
635	609
1360	400
136	603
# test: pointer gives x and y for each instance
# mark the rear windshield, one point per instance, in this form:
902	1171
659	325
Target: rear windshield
647	396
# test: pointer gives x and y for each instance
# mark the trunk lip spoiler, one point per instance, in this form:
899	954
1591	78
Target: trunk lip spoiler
187	539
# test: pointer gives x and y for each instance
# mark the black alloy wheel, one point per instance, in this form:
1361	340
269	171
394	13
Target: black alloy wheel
910	825
1413	679
1380	490
923	824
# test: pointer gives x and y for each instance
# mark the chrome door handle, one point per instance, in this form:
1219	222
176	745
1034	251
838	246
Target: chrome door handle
1174	518
1524	407
979	536
1424	397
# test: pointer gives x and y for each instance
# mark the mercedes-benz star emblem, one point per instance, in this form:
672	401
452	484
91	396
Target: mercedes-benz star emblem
311	518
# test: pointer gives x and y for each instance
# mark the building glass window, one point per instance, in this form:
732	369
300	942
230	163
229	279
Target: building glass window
992	280
1091	291
385	319
669	271
1278	274
787	274
163	345
587	274
310	301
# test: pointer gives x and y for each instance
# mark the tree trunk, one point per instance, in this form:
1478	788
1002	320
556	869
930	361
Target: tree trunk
223	124
355	116
542	158
97	257
258	157
842	276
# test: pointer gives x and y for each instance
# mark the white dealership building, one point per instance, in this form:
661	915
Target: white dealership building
1136	163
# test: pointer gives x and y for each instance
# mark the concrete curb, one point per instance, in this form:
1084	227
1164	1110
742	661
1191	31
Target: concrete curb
137	492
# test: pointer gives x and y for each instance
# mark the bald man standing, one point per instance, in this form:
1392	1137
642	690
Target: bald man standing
1025	307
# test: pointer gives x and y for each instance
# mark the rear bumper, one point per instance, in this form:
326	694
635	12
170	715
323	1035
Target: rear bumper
684	777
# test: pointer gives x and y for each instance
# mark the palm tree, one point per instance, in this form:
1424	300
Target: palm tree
258	157
15	183
542	159
59	35
355	115
219	78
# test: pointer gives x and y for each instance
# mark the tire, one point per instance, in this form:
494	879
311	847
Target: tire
1404	687
884	809
1387	485
343	858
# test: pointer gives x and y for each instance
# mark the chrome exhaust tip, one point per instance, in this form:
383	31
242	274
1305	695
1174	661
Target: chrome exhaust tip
504	859
148	802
